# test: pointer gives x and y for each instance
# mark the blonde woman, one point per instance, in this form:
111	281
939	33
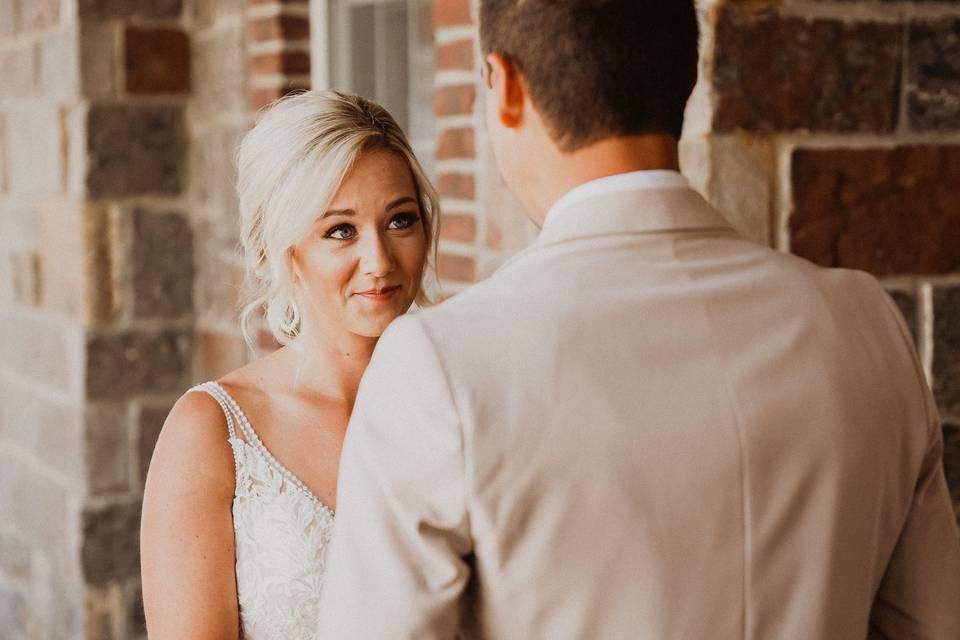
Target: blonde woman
338	221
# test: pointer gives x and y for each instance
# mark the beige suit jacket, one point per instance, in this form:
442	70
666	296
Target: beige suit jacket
646	427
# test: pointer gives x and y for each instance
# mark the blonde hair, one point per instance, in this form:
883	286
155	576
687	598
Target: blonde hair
290	166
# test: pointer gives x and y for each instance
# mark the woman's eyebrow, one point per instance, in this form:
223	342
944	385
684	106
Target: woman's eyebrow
338	212
399	201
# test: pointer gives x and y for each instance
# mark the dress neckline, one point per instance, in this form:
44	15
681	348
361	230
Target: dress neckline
253	440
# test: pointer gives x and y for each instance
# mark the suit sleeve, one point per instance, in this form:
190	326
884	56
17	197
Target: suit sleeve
395	567
919	595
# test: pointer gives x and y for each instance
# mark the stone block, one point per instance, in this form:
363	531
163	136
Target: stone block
106	9
162	264
107	448
76	261
138	362
906	301
37	135
946	349
951	462
148	430
933	75
50	430
59	65
111	542
219	74
17	66
157	60
99	44
882	210
42	350
61	258
775	73
740	183
135	149
38	504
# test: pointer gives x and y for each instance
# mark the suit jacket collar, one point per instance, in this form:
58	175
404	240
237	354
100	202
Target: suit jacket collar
637	208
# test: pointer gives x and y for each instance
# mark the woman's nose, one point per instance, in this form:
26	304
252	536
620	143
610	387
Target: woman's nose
375	258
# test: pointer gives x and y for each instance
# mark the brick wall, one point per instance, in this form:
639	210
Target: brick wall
482	223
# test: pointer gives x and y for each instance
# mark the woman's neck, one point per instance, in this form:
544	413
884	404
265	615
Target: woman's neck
330	365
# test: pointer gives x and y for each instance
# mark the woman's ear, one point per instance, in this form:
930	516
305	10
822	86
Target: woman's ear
507	89
293	267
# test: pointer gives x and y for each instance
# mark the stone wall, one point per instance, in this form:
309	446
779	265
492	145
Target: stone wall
43	310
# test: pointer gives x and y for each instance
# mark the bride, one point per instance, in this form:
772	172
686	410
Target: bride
337	222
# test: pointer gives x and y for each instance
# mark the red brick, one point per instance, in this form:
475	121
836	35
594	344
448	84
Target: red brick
456	55
886	211
457	185
456	100
157	60
447	13
289	62
456	143
775	73
456	268
219	353
460	227
279	28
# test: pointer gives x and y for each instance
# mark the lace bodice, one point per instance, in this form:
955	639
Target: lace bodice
282	531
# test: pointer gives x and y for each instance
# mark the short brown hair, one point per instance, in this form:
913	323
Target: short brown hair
599	68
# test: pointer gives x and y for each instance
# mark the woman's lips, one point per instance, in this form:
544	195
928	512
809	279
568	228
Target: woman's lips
379	295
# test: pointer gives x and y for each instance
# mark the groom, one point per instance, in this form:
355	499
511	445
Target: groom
643	426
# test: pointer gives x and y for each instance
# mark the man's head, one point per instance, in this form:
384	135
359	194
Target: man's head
596	69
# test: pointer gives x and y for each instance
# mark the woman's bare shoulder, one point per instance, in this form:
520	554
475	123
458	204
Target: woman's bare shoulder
193	447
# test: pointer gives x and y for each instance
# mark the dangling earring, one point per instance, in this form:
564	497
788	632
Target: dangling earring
290	324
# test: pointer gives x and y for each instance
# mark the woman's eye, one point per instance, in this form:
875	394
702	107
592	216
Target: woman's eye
404	220
341	232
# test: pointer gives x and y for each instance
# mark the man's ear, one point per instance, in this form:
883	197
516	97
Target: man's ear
507	88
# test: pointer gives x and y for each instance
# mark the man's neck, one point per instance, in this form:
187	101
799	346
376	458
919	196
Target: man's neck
605	158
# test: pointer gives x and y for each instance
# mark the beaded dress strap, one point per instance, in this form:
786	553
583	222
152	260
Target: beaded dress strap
233	412
218	393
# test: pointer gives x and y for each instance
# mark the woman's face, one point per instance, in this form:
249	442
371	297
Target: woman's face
360	266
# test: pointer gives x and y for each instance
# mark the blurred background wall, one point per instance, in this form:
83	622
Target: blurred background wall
826	128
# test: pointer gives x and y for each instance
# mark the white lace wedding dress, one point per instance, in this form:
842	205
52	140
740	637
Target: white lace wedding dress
282	530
